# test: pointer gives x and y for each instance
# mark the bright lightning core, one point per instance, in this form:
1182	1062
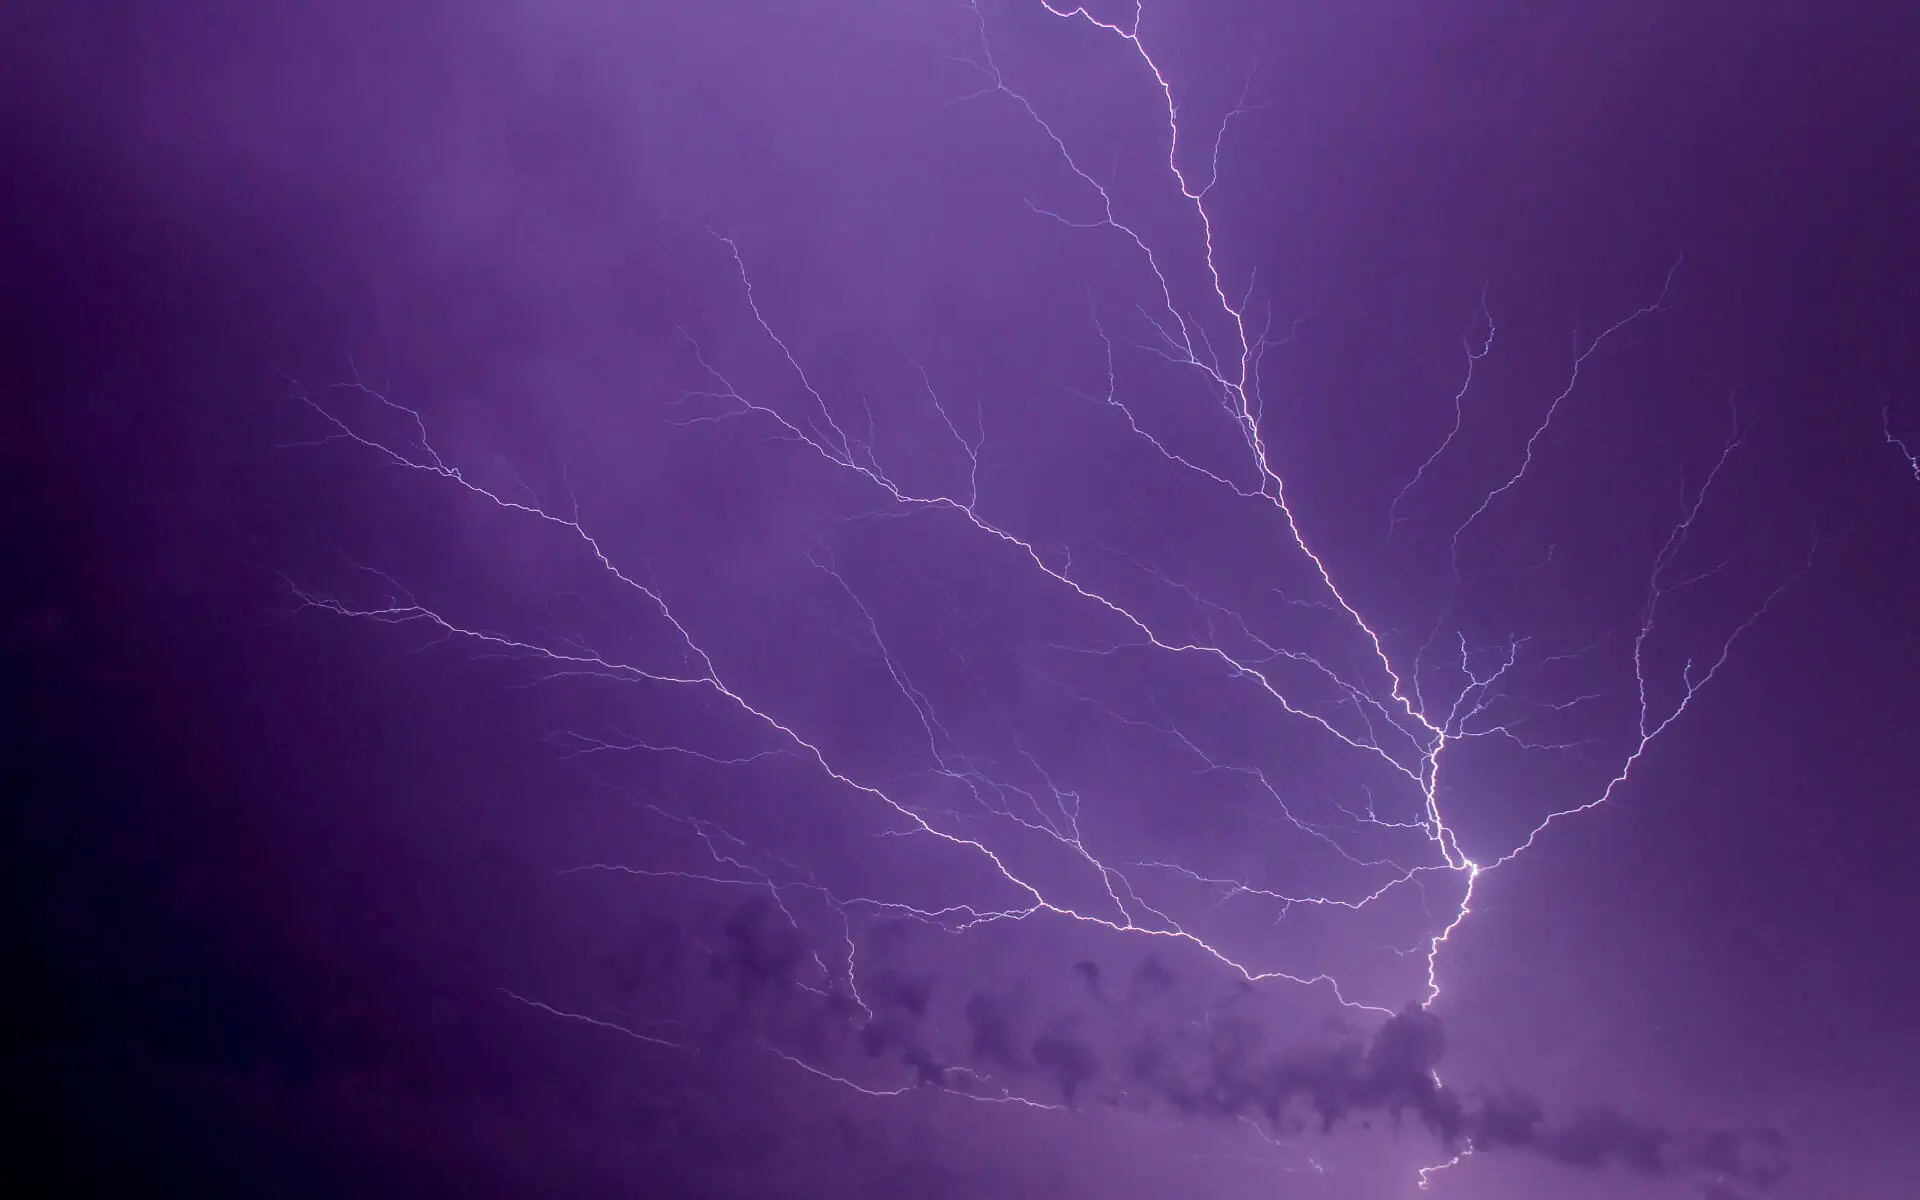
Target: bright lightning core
1073	653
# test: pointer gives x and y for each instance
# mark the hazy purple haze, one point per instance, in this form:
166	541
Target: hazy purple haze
925	599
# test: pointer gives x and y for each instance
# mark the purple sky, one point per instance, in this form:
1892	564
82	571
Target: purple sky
957	600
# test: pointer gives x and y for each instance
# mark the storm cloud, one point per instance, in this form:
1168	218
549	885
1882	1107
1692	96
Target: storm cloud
1220	1063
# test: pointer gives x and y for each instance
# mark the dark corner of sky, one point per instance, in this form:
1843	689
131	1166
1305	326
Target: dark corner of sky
921	599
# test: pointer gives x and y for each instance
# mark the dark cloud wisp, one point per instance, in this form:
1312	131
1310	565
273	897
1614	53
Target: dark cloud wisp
1142	1051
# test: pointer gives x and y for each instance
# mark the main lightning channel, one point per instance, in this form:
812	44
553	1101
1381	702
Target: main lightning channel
1399	723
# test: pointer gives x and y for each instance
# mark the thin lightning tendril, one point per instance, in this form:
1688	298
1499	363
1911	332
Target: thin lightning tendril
1391	711
1899	445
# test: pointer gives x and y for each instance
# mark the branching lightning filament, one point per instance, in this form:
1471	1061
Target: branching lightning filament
995	807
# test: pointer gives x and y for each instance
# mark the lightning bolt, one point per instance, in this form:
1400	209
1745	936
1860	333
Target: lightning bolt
1316	665
1899	445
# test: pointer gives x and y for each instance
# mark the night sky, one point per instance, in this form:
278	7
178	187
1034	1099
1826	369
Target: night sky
921	599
